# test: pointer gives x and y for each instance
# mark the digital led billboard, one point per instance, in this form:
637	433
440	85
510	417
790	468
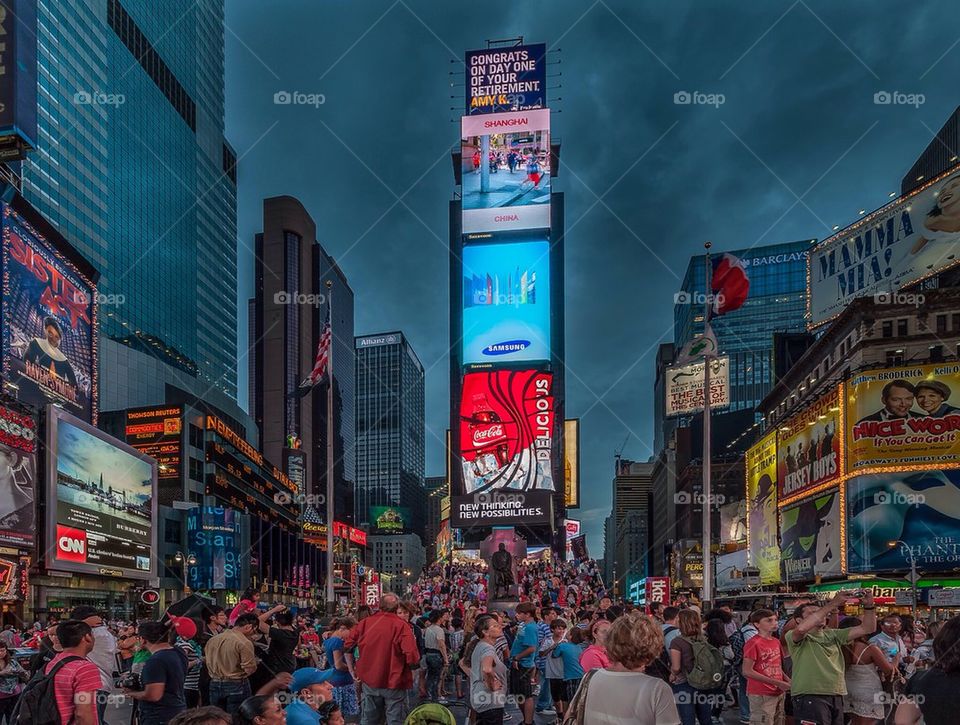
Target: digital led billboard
389	519
213	537
157	432
506	79
104	520
571	463
505	171
506	302
903	416
507	431
49	320
18	477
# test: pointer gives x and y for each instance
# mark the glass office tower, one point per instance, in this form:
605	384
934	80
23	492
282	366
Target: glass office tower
133	168
777	303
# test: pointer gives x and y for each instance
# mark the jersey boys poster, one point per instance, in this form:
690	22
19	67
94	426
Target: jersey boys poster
904	416
506	430
808	454
48	321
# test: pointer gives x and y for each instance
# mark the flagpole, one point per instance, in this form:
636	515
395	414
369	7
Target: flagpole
329	495
707	562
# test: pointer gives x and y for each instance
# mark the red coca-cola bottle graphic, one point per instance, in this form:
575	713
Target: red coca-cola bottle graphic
487	431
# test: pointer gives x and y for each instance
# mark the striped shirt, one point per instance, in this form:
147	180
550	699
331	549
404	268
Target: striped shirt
74	678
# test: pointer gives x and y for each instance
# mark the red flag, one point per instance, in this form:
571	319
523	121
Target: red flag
730	284
321	362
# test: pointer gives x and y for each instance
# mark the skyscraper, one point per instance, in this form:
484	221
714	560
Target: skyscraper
133	168
290	309
390	427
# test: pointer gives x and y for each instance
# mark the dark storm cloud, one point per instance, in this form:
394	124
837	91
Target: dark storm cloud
798	120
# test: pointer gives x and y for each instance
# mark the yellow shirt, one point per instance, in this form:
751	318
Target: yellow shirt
230	656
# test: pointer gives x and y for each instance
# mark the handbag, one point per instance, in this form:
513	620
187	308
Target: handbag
578	705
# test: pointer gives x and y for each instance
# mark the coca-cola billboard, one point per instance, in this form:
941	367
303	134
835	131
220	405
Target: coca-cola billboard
506	431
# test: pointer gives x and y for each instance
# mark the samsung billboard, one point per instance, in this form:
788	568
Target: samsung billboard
506	302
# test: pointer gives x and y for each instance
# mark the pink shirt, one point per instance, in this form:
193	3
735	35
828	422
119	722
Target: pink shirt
74	678
594	657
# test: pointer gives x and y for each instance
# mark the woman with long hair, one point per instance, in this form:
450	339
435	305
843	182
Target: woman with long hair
931	696
693	705
623	692
12	677
344	690
864	665
716	634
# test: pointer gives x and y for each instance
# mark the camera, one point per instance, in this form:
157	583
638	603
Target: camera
129	681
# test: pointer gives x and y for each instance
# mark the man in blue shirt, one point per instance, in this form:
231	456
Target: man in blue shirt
523	657
311	687
547	616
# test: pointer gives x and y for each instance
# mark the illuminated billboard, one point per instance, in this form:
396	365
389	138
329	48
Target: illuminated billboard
18	477
762	539
213	536
505	172
808	449
913	237
506	79
389	519
810	538
49	322
157	432
903	416
684	389
917	512
506	302
506	431
571	463
104	520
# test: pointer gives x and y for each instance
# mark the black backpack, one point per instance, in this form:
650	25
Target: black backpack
38	701
660	667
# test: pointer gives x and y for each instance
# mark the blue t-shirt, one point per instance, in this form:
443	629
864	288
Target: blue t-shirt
330	645
168	666
526	637
570	654
299	713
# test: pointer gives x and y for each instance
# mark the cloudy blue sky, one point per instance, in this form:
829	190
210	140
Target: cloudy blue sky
791	143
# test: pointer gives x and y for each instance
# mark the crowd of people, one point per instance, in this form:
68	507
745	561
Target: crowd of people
566	651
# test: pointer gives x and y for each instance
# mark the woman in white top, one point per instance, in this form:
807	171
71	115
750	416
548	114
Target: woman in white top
622	693
864	664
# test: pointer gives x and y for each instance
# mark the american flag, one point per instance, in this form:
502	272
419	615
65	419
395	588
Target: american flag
321	363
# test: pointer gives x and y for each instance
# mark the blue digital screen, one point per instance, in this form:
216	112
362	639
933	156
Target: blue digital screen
506	302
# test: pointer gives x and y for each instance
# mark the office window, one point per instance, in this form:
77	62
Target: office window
196	470
196	436
902	327
887	328
894	357
941	323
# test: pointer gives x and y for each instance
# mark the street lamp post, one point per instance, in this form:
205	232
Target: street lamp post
913	574
185	560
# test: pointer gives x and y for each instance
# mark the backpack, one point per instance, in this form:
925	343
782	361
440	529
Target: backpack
430	713
707	670
660	667
38	701
737	641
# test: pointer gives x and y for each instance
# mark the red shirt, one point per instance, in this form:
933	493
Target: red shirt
387	650
767	659
79	676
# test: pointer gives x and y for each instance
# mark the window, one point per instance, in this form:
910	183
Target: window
941	323
956	320
887	328
894	357
172	532
902	327
196	470
196	436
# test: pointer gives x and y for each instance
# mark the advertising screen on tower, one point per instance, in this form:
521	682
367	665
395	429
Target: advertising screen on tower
48	320
506	302
808	452
917	512
571	463
156	432
506	79
810	538
762	540
506	431
505	171
18	477
104	519
912	237
213	536
390	519
904	416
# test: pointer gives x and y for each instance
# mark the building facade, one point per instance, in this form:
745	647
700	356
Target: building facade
399	559
390	428
435	489
778	278
630	523
132	166
291	305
